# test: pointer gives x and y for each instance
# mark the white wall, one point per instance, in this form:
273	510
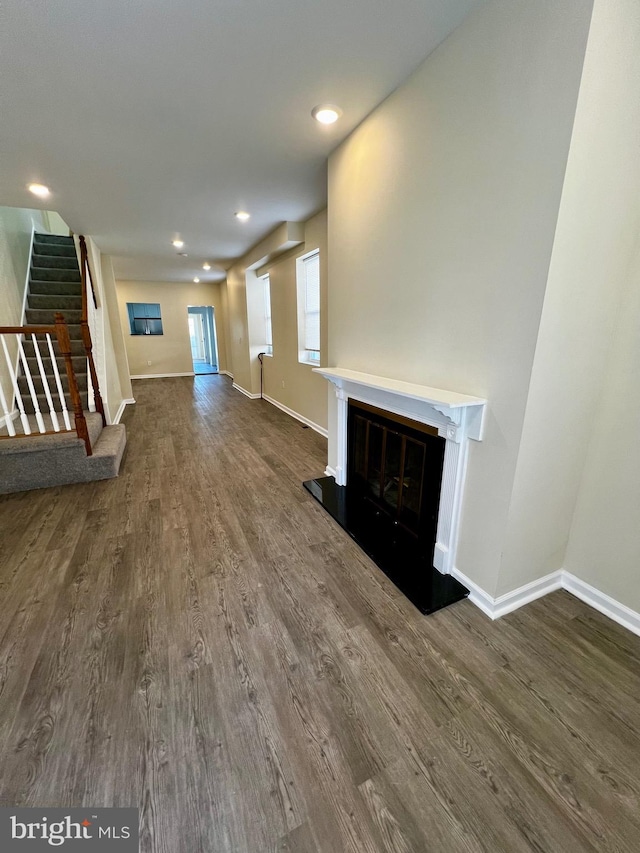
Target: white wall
442	214
592	264
16	226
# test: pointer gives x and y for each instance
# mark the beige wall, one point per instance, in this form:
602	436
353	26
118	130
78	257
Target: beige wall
116	366
170	352
442	214
286	381
304	391
604	544
595	248
237	327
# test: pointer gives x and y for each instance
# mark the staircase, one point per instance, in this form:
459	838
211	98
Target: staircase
54	459
55	285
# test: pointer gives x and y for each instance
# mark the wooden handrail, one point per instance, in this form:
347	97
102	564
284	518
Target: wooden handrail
84	257
61	333
84	326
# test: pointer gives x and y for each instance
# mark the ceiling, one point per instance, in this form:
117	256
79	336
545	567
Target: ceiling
158	119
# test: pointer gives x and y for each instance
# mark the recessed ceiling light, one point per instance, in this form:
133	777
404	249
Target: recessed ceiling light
196	280
178	243
39	190
242	215
206	266
326	113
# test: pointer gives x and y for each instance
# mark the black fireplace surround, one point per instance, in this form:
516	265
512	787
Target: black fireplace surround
391	500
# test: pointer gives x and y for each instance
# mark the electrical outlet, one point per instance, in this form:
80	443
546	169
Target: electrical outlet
149	362
283	383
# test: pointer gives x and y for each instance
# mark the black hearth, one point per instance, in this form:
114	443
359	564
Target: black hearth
390	503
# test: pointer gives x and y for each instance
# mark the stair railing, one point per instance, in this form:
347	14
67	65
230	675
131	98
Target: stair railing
41	336
85	271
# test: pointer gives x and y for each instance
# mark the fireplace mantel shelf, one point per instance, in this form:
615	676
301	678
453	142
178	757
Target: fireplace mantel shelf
443	401
434	396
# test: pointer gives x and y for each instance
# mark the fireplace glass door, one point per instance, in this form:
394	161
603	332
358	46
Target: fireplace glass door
395	465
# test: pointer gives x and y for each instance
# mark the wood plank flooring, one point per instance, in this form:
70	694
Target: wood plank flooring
199	639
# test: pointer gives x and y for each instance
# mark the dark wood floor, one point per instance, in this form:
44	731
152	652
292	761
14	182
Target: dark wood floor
199	639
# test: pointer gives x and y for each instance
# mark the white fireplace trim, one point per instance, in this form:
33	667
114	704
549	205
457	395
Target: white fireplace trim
457	417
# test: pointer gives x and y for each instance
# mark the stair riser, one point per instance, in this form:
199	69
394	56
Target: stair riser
51	274
41	317
44	405
51	250
52	239
81	379
55	288
77	348
79	365
55	262
54	302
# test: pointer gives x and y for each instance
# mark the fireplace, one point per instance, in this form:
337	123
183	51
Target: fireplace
395	469
400	457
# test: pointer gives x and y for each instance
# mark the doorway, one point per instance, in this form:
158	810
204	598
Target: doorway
203	339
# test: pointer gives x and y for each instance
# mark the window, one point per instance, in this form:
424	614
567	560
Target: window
309	308
268	333
144	318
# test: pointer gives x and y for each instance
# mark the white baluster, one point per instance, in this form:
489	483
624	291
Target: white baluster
63	402
16	390
45	384
7	414
32	390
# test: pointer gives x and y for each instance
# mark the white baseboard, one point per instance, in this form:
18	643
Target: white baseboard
494	608
158	375
124	403
620	613
296	415
226	373
12	416
330	472
245	392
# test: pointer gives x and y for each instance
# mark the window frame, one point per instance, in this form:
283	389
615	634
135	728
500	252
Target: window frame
304	352
268	316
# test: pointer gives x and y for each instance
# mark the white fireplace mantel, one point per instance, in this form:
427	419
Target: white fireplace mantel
457	417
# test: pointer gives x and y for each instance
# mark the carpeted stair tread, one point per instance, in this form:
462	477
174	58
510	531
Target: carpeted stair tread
36	441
